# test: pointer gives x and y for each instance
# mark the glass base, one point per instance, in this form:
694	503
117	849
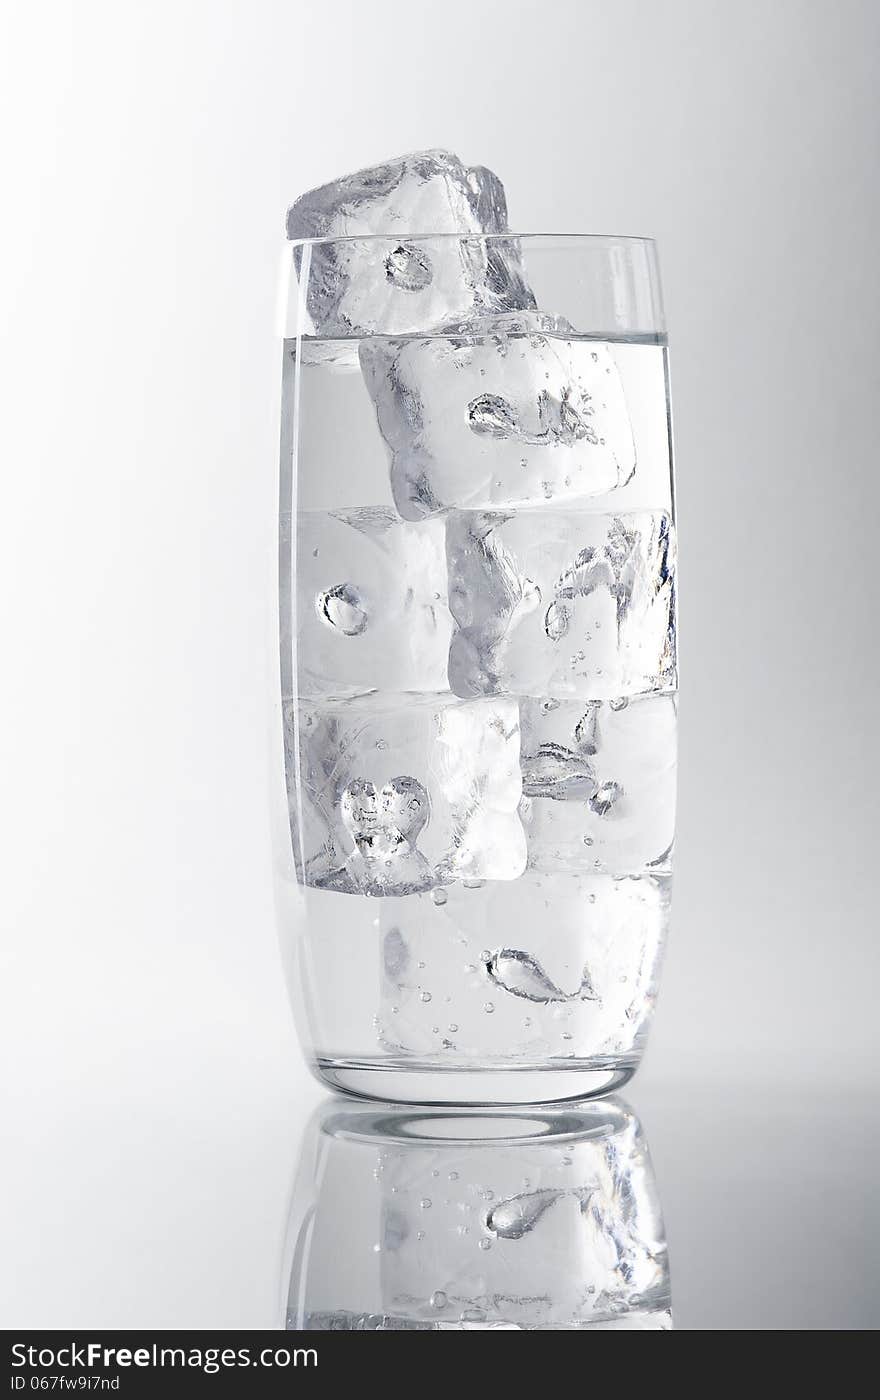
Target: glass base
393	1081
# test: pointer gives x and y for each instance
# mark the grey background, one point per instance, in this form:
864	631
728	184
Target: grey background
155	1093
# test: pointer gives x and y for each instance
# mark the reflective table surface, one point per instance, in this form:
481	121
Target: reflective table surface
164	1197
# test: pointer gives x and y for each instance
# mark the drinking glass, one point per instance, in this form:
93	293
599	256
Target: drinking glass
477	684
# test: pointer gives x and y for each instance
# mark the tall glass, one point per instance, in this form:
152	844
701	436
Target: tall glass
477	682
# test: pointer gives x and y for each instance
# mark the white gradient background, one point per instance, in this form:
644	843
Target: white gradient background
155	1091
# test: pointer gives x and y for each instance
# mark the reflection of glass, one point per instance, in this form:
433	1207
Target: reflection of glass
417	1219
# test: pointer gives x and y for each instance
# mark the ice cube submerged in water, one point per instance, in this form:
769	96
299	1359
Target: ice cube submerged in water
414	284
371	604
390	796
599	784
480	649
549	965
561	604
505	411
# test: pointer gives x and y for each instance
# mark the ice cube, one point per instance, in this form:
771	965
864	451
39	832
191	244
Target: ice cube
599	783
372	612
400	284
507	412
391	796
537	1234
561	604
551	965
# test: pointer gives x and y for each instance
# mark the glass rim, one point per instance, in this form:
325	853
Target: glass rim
561	1123
627	239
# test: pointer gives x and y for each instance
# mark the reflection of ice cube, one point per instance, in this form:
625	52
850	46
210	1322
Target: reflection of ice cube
371	604
506	413
561	604
554	965
537	1235
599	783
360	287
391	797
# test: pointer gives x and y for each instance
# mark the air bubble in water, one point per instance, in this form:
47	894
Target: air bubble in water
523	976
604	798
558	772
409	267
342	609
439	1299
556	621
439	896
587	730
515	1217
490	415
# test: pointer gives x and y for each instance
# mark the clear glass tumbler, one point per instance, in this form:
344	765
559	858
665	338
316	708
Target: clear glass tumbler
414	1219
478	678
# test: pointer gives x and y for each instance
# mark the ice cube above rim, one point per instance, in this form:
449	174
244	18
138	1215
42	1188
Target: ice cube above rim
358	288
